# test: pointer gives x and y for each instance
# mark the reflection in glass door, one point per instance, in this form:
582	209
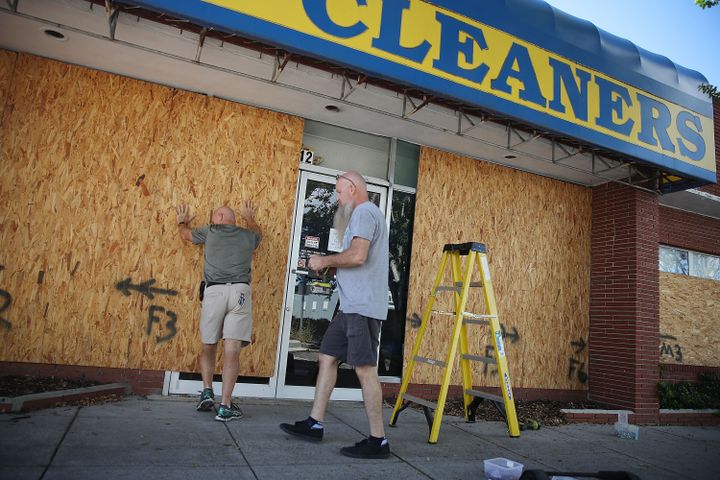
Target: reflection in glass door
311	298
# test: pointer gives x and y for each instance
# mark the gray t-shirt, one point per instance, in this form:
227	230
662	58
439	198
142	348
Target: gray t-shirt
364	289
228	252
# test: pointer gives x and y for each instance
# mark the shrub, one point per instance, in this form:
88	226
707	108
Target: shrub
703	394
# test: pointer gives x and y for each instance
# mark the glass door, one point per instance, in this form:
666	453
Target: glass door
311	298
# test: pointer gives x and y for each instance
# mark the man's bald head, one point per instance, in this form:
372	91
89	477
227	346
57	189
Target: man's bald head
357	180
223	216
352	188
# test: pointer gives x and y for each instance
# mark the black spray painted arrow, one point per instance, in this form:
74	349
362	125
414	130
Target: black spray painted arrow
581	345
514	336
145	288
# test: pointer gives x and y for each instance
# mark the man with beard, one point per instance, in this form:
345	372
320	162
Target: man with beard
353	336
226	310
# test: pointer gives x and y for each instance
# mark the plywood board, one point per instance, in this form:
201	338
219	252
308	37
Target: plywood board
95	166
689	319
537	232
7	66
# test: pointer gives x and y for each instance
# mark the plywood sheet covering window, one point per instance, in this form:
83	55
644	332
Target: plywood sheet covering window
93	166
689	319
7	66
537	232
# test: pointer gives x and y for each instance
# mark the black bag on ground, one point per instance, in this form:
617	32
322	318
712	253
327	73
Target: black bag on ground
602	475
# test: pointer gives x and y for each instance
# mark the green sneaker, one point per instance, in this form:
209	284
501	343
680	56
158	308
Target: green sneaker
225	413
207	400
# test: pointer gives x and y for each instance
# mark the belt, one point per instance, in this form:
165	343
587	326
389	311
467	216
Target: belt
210	284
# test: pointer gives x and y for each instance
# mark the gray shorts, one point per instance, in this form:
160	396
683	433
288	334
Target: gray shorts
226	313
352	338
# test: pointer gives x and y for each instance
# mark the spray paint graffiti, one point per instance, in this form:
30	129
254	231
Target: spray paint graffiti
156	313
576	368
6	300
170	324
513	337
144	288
579	367
490	353
669	349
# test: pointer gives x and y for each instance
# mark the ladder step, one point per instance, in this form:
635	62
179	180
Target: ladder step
430	361
420	401
442	288
478	393
476	358
470	321
466	315
458	286
475	316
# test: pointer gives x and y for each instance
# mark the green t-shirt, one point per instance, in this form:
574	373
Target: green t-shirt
228	252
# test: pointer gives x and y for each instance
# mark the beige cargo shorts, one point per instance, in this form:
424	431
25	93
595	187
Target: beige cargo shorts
226	313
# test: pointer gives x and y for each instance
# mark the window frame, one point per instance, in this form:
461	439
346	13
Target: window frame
691	259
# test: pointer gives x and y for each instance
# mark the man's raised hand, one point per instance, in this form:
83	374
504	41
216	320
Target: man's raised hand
183	214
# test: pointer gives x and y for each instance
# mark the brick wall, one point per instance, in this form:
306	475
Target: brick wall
147	382
715	189
624	300
142	382
689	230
685	373
666	417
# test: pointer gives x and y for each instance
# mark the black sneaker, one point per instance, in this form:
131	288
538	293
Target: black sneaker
226	413
365	449
303	430
207	400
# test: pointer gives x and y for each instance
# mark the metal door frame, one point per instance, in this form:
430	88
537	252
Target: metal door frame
294	391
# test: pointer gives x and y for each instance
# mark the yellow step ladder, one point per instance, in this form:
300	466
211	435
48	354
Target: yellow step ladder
476	254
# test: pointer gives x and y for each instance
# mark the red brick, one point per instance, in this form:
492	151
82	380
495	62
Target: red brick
690	231
142	382
624	298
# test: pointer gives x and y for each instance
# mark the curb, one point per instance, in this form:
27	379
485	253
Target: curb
36	401
687	417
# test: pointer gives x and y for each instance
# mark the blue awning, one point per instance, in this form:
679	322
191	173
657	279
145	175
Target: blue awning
521	59
580	40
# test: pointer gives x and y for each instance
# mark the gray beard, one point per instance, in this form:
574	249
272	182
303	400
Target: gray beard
342	218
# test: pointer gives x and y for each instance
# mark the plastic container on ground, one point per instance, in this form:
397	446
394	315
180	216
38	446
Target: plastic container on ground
625	430
502	469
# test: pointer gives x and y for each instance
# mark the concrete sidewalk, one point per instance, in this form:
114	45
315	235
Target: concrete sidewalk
165	438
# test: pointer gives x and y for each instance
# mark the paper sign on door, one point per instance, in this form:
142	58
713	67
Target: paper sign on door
312	242
334	241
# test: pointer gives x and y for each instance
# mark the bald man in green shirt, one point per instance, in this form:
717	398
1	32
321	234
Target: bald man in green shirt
226	311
